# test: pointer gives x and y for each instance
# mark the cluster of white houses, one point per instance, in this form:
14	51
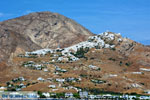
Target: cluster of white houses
18	95
83	95
93	42
61	80
18	87
18	79
33	65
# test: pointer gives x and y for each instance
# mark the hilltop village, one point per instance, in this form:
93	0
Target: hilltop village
80	71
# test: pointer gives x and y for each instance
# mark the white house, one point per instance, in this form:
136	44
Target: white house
91	96
32	95
68	95
52	86
113	75
93	67
46	94
2	88
145	69
45	70
60	80
21	78
54	89
137	72
41	51
144	97
83	94
135	85
49	79
40	79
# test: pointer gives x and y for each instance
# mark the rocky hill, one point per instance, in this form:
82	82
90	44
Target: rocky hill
39	30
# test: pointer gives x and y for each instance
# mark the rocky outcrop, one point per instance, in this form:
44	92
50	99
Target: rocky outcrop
10	41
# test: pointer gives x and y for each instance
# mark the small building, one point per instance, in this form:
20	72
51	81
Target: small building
131	97
15	95
49	79
32	95
98	96
144	98
147	91
64	59
63	70
45	70
57	68
46	94
60	80
3	88
91	96
21	78
68	95
70	79
83	94
22	85
137	73
18	89
73	58
40	79
94	67
52	86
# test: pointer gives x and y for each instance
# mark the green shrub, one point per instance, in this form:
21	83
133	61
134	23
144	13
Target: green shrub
120	63
40	94
128	64
112	59
113	49
83	75
7	83
76	95
81	51
60	95
98	81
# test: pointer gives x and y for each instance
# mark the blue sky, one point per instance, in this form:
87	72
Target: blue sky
131	18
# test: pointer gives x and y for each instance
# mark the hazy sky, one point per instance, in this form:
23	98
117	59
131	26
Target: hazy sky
131	18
